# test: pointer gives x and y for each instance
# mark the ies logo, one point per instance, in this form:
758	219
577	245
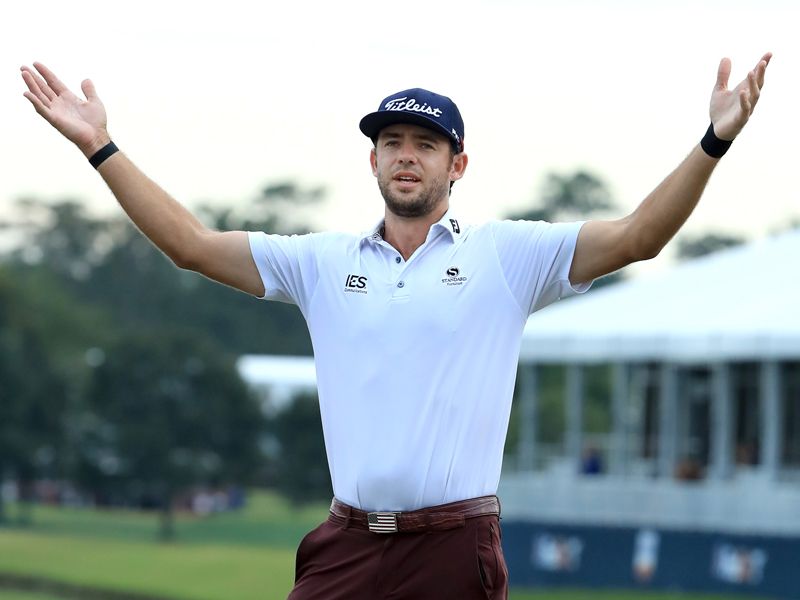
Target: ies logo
356	284
454	277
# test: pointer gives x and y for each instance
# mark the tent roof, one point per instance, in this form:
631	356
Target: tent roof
742	303
296	372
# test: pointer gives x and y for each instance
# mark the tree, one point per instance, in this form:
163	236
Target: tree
301	467
108	265
694	247
166	411
283	207
32	397
571	197
62	236
84	283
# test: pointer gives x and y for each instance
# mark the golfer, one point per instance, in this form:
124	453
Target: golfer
416	327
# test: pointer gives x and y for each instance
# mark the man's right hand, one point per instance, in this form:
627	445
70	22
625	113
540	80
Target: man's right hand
221	256
83	122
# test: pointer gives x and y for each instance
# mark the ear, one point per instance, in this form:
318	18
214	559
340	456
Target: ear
373	161
459	165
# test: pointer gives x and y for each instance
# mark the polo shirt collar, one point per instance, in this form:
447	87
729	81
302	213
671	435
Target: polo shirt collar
448	222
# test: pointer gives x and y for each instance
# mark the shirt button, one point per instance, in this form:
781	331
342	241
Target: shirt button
398	259
400	284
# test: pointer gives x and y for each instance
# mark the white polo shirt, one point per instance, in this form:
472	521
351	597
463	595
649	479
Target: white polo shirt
416	360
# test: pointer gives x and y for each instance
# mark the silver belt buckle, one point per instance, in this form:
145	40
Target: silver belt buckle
382	522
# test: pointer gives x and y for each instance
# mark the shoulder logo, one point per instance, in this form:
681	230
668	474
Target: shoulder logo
454	225
355	284
454	277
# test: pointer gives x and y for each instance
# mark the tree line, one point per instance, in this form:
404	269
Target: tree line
117	370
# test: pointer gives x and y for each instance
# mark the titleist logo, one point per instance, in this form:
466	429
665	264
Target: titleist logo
411	104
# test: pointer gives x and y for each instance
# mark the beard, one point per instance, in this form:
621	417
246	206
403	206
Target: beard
417	204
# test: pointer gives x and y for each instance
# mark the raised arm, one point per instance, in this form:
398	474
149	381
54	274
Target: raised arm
222	256
605	246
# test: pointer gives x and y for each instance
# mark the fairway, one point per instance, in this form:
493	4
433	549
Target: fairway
248	555
12	595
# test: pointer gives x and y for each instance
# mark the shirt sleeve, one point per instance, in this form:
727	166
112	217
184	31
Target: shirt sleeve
536	257
287	264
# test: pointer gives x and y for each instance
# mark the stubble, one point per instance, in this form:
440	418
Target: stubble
418	204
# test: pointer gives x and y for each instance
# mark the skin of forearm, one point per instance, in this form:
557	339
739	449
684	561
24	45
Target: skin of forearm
662	213
170	226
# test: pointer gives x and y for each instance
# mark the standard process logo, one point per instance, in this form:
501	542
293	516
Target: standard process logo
454	277
356	284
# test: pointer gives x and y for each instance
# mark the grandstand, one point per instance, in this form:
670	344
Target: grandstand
700	472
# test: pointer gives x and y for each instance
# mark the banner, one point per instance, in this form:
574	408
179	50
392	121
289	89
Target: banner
553	555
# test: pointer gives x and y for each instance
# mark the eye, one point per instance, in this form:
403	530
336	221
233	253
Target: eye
426	146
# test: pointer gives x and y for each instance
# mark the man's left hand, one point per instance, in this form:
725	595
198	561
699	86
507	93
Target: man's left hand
731	109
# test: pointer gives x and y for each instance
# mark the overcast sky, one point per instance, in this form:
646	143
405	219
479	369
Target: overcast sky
215	99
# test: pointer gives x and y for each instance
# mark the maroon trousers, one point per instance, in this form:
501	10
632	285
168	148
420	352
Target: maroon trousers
337	561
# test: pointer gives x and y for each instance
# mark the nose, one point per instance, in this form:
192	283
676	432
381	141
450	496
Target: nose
406	153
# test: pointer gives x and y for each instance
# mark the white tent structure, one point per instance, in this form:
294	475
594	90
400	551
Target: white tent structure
711	348
278	379
739	304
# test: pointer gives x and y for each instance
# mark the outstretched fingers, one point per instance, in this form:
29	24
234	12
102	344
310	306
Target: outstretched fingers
88	89
723	74
755	89
51	79
746	103
37	104
764	59
34	90
42	84
761	68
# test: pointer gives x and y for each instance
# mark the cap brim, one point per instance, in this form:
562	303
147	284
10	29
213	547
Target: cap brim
372	124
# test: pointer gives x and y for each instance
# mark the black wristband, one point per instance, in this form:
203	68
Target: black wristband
712	145
98	157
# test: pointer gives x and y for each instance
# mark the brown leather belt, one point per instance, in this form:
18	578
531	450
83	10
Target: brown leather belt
441	517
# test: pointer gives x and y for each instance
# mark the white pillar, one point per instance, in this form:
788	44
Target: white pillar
528	408
620	393
668	420
771	418
574	416
721	422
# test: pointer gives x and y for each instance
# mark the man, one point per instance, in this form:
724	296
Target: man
416	328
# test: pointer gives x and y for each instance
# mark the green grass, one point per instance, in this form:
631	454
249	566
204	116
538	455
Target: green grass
247	555
181	571
267	520
13	595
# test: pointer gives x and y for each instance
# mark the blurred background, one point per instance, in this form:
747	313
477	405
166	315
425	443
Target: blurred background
159	434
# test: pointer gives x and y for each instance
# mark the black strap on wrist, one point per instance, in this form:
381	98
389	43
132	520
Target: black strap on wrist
98	157
712	145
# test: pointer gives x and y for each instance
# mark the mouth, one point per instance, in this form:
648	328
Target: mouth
406	179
